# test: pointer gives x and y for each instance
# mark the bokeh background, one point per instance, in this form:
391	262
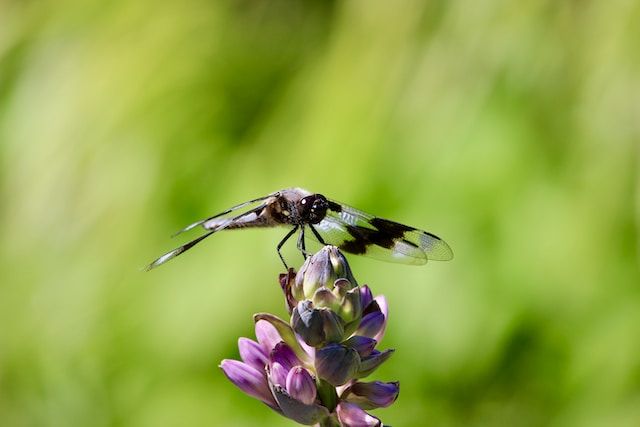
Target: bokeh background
511	129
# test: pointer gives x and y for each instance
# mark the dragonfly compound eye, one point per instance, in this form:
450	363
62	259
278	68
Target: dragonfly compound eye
318	209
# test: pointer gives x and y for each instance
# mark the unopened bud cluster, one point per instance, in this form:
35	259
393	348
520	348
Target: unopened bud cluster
309	369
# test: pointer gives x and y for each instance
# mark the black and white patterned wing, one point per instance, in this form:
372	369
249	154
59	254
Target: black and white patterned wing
224	220
359	233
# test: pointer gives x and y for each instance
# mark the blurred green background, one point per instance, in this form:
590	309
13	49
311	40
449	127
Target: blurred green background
511	129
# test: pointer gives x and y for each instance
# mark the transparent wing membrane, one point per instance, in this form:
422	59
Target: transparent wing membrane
208	223
360	233
221	222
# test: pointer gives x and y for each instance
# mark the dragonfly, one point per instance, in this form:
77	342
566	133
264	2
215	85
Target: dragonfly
330	223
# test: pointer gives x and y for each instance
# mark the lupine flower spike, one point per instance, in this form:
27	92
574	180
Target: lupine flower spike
310	368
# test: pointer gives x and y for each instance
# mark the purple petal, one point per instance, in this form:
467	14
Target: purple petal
252	353
365	296
267	335
311	351
351	415
286	333
376	394
248	379
284	355
301	386
363	345
278	374
384	308
371	363
371	324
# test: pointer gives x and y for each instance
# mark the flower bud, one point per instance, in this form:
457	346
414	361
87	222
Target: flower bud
316	326
302	413
321	269
301	386
277	374
342	286
337	364
351	415
376	394
324	298
284	355
248	379
349	308
267	335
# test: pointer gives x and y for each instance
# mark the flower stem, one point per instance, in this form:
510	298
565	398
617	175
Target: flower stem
329	422
327	394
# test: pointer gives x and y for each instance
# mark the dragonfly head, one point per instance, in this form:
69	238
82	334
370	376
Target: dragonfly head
313	208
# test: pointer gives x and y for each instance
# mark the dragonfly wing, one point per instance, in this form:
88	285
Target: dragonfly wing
177	251
434	247
362	241
230	222
219	220
360	233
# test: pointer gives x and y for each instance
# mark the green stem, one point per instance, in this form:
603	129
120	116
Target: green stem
327	394
329	422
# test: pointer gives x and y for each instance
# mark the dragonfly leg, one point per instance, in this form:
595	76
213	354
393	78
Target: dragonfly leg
301	243
318	236
282	242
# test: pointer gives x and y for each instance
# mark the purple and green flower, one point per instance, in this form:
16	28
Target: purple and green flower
310	368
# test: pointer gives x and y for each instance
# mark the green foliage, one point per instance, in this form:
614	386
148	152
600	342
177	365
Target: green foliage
510	129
